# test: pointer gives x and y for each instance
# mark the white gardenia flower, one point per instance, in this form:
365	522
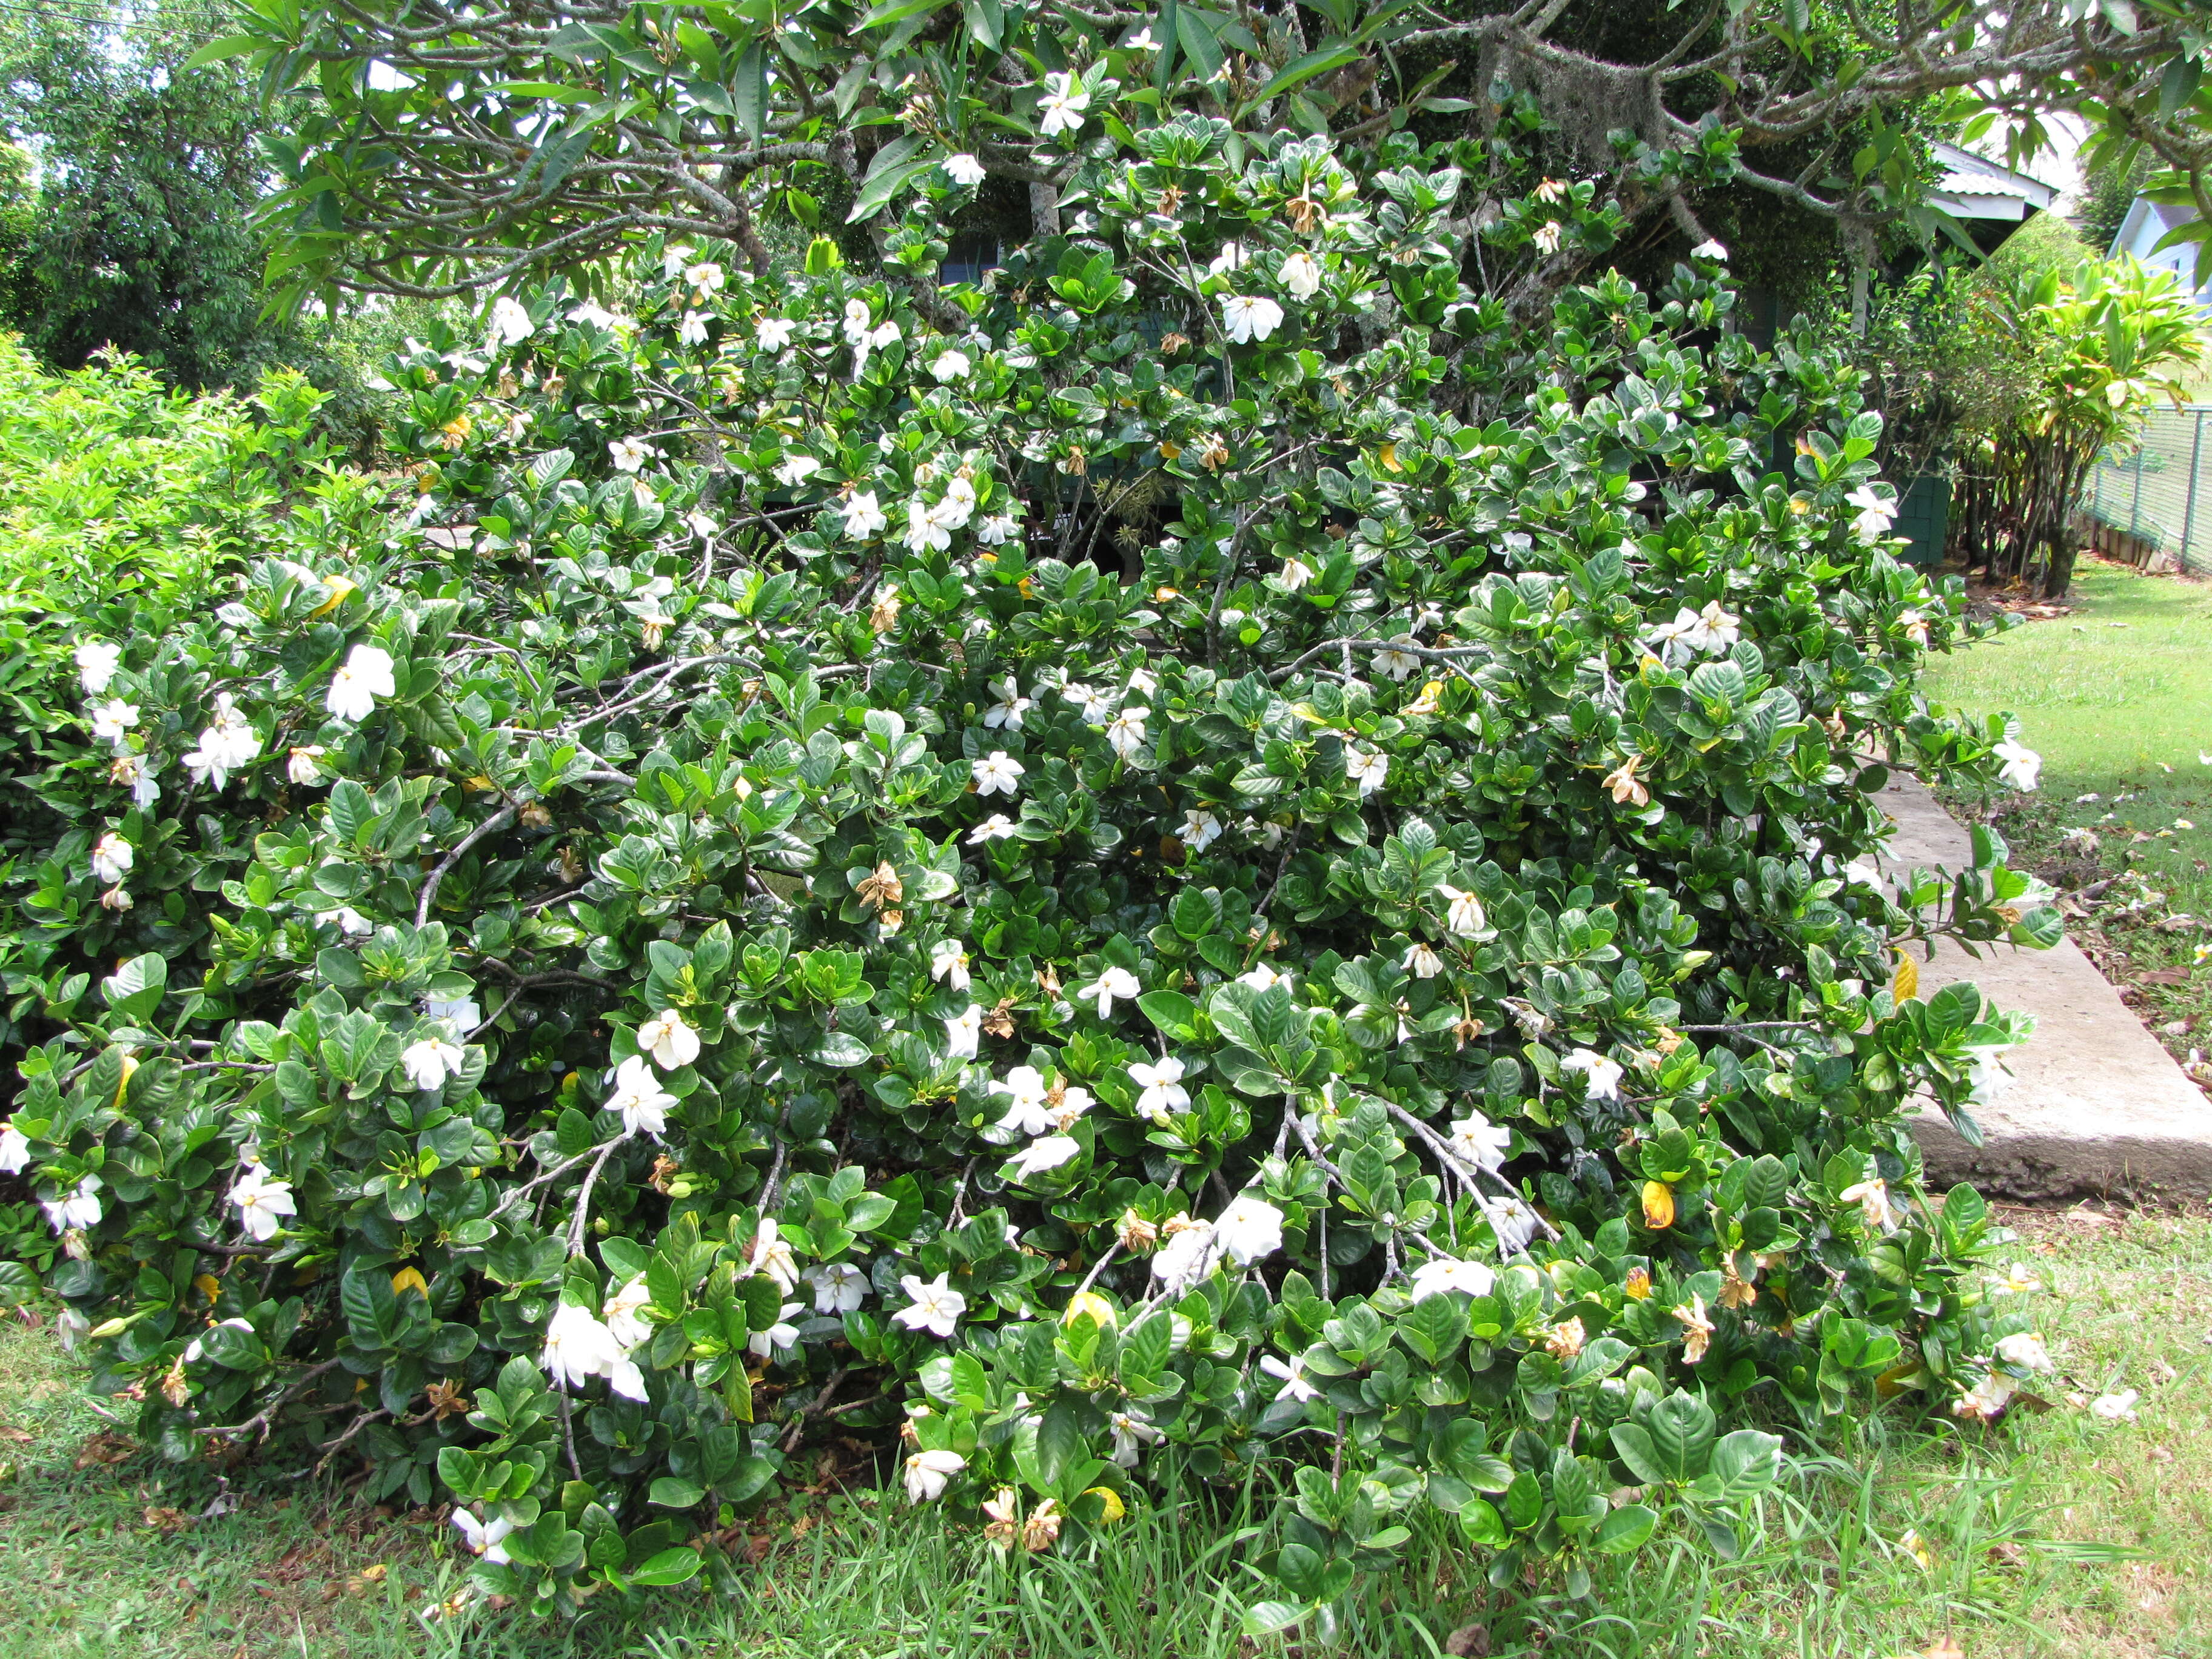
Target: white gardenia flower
1463	915
1062	105
774	334
14	1151
865	517
963	170
703	278
1300	276
112	719
1199	830
669	1040
782	1335
639	1099
1097	706
1262	977
1292	1373
1296	574
430	1062
701	526
1132	1433
462	1012
578	1348
2021	765
1400	666
1249	1229
771	1254
860	322
1366	769
1142	683
111	858
1872	1197
924	531
365	675
1008	710
624	1313
629	454
839	1287
80	1208
958	505
1231	258
1421	961
1476	1140
692	331
301	767
1547	237
1672	641
348	920
1604	1075
927	1474
1026	1094
948	963
1513	1221
1875	514
2115	1407
1188	1254
228	743
951	365
995	529
1987	1397
2025	1349
1160	1086
1440	1275
1250	317
997	827
934	1306
1710	248
96	663
796	471
997	774
962	1031
483	1537
1125	733
1112	983
1715	631
262	1202
1048	1152
510	321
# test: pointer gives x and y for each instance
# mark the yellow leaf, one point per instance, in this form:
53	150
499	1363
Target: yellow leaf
1388	456
1658	1204
1110	1507
411	1278
1090	1301
340	587
1905	983
208	1285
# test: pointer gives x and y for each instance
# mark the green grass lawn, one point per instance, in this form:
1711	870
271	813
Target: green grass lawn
2055	1534
2116	697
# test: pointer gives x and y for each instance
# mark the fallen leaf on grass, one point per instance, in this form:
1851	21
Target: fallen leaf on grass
162	1518
1942	1648
19	1436
1468	1642
104	1448
2164	977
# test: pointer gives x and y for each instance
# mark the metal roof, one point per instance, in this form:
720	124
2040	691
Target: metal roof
1975	187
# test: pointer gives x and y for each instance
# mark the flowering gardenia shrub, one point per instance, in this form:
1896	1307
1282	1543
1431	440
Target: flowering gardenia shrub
1065	871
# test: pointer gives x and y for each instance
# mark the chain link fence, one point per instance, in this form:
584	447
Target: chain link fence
2153	503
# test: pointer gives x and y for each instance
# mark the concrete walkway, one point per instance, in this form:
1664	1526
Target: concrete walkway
2096	1105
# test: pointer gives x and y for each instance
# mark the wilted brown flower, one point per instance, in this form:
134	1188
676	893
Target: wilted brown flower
883	888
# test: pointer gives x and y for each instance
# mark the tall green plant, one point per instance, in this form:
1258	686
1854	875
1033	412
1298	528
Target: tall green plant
2098	348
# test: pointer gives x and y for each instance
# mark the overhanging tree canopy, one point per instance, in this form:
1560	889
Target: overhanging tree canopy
461	146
